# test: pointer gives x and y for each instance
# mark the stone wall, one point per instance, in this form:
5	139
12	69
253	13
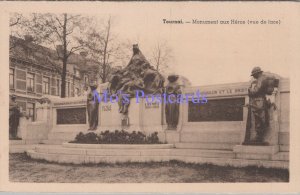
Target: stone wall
284	125
222	121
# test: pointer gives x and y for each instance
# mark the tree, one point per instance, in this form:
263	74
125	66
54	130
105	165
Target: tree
58	30
103	48
16	22
15	19
162	55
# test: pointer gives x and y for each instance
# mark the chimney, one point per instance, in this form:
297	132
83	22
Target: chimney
83	53
28	38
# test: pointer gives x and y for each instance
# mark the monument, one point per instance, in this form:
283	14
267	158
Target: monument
137	75
259	107
199	123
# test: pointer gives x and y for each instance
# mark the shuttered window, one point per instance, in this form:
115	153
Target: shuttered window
21	80
46	85
38	85
30	82
11	78
58	87
30	111
53	86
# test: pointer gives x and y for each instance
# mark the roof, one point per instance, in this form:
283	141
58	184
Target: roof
46	57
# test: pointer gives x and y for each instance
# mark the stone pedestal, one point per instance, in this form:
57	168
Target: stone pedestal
263	152
42	112
142	116
172	136
22	129
109	117
271	134
255	152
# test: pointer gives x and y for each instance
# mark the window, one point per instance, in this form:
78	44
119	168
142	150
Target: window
30	82
30	111
77	73
22	106
57	87
68	89
77	92
46	85
11	78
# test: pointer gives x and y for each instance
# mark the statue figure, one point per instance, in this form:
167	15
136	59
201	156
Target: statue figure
14	117
153	82
258	108
137	75
172	106
92	108
129	87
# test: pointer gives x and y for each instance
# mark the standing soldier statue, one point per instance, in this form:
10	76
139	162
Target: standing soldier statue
172	108
14	117
258	108
92	108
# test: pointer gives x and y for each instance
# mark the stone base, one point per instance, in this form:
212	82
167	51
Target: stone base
255	152
256	149
206	146
172	136
97	153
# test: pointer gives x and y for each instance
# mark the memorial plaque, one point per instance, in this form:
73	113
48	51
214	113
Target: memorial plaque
71	116
151	105
217	110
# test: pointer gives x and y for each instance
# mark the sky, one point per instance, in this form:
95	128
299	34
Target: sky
212	54
204	53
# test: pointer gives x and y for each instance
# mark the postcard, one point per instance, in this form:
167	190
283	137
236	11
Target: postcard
150	96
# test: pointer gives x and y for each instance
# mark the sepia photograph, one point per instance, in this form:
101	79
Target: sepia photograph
151	93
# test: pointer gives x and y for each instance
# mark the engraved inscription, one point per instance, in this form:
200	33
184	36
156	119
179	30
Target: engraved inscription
217	110
106	108
71	116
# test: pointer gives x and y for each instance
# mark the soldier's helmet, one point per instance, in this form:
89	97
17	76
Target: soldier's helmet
256	70
93	84
135	46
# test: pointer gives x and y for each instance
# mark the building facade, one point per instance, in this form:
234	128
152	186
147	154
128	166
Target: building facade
35	72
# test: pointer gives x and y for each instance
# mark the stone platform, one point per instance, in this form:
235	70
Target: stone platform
20	146
114	153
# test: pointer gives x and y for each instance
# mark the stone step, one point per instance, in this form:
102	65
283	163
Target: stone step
284	148
202	153
20	148
81	159
208	146
250	149
102	152
281	156
253	156
134	152
69	136
118	146
53	141
16	142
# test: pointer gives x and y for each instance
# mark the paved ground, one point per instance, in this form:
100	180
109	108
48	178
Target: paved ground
23	169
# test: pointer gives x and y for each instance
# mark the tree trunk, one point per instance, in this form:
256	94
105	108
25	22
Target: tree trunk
64	58
104	66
